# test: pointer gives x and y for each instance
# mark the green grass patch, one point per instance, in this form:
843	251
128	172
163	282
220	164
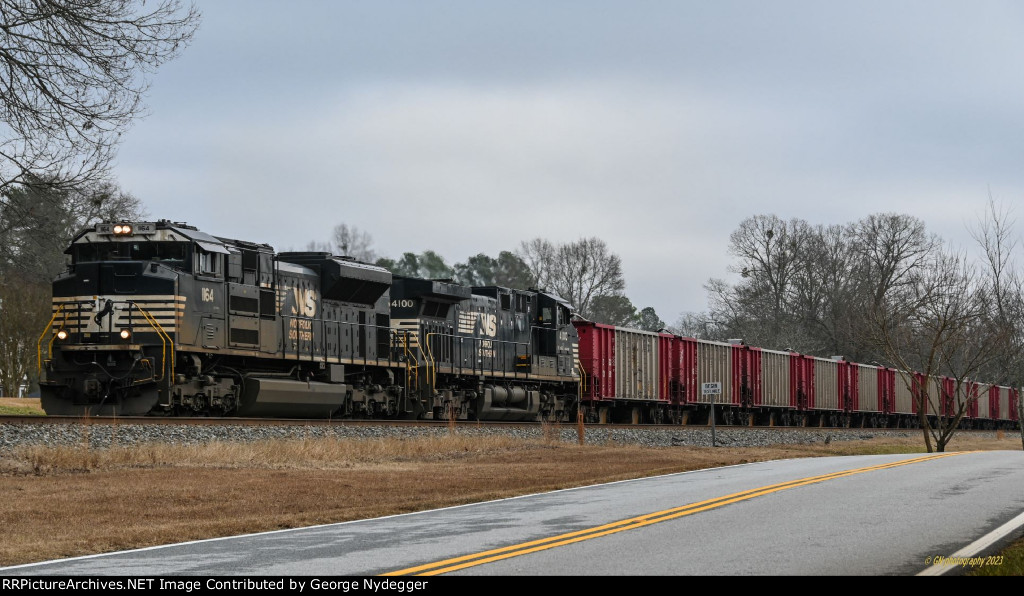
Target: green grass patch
1009	562
14	411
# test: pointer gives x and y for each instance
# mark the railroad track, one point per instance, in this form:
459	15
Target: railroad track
213	421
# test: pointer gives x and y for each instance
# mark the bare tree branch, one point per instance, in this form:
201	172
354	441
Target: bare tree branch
73	77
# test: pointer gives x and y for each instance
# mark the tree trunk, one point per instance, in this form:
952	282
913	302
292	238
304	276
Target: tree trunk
1020	417
925	428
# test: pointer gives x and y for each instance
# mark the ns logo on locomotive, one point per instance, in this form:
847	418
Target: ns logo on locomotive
160	318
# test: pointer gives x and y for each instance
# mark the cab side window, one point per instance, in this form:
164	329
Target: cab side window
208	263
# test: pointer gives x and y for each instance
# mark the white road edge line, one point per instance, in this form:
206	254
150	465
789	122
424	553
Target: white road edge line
979	545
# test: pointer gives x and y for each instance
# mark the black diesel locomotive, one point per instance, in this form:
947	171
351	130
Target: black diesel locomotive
163	319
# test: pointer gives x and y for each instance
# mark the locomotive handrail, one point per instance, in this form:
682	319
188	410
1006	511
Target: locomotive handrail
422	358
476	340
580	390
406	352
412	366
165	338
49	345
39	344
432	380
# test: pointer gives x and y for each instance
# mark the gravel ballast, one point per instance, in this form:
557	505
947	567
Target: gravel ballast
99	435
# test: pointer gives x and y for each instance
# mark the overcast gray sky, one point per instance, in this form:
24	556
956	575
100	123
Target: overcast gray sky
469	126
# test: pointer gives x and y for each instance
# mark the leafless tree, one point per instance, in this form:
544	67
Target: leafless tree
539	255
890	248
994	234
1020	417
352	242
806	287
578	271
823	292
317	246
586	269
74	73
698	325
768	249
938	323
880	289
764	306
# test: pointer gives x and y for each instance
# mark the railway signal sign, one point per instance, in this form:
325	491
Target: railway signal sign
711	388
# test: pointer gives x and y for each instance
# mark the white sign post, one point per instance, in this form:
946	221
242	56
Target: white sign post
712	389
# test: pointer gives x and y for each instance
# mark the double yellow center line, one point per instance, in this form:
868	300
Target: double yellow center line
640	521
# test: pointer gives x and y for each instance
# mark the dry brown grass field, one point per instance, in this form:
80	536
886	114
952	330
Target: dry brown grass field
20	407
63	502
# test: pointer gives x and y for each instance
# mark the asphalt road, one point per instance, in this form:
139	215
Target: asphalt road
863	515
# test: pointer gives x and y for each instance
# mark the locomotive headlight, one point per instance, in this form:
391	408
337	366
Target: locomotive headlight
123	229
126	333
118	229
62	335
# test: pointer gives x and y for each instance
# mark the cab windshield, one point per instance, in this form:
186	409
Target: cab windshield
173	254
